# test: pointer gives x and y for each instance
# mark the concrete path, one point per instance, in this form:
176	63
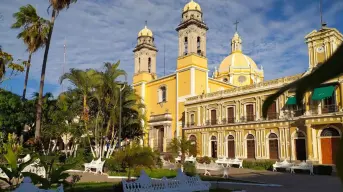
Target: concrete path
289	182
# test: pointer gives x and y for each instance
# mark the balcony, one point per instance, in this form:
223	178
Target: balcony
191	124
228	120
316	110
273	116
212	122
248	118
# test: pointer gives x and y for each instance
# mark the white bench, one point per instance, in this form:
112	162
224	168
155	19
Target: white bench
236	162
35	168
180	183
97	165
28	186
222	160
190	159
213	167
303	166
284	164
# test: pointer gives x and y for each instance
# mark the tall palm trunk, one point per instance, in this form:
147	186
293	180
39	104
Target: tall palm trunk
42	77
27	76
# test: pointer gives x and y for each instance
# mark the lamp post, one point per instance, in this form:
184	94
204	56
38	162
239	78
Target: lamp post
120	109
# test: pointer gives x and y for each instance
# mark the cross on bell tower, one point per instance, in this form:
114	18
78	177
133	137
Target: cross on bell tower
236	23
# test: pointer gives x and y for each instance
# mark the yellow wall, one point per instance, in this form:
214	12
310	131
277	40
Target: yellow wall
184	79
200	82
215	86
191	60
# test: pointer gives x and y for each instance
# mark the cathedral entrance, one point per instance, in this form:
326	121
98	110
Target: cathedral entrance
160	139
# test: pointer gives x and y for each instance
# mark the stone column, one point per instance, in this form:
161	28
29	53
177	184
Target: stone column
186	118
257	108
315	145
238	113
219	113
309	142
198	118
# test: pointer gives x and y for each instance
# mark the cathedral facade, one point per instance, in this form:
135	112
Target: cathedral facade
222	114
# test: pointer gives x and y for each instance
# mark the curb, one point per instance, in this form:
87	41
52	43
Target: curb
253	184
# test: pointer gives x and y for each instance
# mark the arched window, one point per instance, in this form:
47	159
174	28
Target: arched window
186	46
198	46
149	65
250	146
329	132
225	80
214	146
162	94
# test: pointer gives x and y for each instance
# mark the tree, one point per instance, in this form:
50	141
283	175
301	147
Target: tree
6	62
332	68
57	6
182	146
34	32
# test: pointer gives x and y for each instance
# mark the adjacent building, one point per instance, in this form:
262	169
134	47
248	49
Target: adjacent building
222	113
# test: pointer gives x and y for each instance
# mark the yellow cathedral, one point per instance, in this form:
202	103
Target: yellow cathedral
221	113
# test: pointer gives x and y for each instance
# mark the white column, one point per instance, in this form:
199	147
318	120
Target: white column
314	144
220	113
198	121
186	118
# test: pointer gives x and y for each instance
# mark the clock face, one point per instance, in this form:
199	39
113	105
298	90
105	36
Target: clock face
320	49
241	79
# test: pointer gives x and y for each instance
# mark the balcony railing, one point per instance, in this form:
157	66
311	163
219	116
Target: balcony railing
228	120
315	110
248	118
192	124
212	122
272	116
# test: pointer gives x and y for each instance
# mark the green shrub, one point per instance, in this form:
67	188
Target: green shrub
113	165
169	157
189	169
322	170
258	164
118	187
204	159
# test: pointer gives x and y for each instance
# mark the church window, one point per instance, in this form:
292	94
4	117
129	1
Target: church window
186	46
198	45
162	94
149	65
192	119
139	64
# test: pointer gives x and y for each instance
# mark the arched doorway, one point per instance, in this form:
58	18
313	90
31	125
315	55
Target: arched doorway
273	146
231	146
214	146
250	146
300	146
193	149
329	141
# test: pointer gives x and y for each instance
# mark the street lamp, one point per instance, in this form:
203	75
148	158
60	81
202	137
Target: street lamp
120	108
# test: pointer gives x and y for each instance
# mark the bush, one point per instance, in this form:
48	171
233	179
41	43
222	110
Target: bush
189	169
258	164
205	159
169	157
322	170
112	164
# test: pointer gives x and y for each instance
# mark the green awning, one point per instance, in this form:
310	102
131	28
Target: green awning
322	92
291	101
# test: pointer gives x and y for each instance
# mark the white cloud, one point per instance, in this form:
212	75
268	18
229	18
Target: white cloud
106	31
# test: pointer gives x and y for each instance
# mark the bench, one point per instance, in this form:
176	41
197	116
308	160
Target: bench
97	165
36	168
284	164
187	159
212	167
303	166
181	182
28	186
236	162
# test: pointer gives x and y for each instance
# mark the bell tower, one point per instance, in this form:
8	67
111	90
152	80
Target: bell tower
192	31
322	43
145	56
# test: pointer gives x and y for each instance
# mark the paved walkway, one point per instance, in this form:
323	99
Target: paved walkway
289	182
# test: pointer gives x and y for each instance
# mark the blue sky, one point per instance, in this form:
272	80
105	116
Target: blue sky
100	31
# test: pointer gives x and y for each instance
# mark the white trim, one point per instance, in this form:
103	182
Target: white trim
183	98
192	66
206	91
160	123
246	145
192	81
293	147
320	158
247	60
267	146
143	92
177	107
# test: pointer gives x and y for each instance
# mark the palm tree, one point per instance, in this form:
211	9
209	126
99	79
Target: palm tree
332	68
182	146
57	6
34	33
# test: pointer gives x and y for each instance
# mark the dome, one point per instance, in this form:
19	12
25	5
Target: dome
145	32
192	6
236	60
